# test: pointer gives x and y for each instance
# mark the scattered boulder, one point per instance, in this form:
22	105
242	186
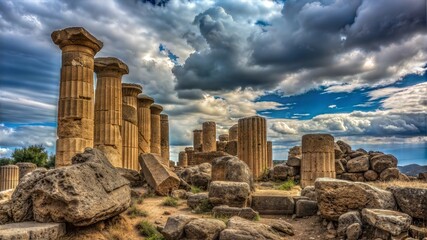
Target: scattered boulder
354	177
158	176
226	211
198	175
32	230
403	177
345	148
339	167
418	232
174	228
336	197
355	154
273	204
195	200
208	229
134	177
370	175
294	162
231	168
310	192
179	194
82	194
280	172
338	152
412	201
354	231
5	211
382	161
387	220
282	226
389	174
347	219
233	194
295	152
358	164
306	208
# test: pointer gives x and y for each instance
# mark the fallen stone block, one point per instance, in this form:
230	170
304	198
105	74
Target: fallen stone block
32	230
412	201
195	200
306	208
233	194
418	232
174	228
157	175
232	169
272	203
207	229
387	220
226	211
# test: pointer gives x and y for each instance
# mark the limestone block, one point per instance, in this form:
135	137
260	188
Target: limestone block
273	203
233	194
226	211
32	230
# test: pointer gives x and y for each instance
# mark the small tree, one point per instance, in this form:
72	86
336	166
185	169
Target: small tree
5	161
51	162
36	154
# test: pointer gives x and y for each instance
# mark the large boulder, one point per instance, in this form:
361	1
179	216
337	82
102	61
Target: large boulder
345	148
370	175
194	201
233	194
294	162
198	175
304	208
358	164
230	168
387	220
242	229
338	152
84	193
390	174
347	219
354	177
174	228
158	176
336	197
273	203
412	201
202	228
134	177
380	162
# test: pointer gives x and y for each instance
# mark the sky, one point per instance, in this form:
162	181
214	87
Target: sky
353	68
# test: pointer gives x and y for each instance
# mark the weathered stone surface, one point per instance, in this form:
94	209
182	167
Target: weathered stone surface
294	161
199	175
5	211
195	200
242	229
418	232
272	203
339	168
309	192
84	193
207	157
209	137
174	228
347	219
157	175
223	138
306	208
226	211
281	226
230	168
354	177
382	161
336	197
280	172
208	229
387	220
155	109
338	152
25	168
403	177
345	148
32	230
412	201
390	174
231	148
233	194
134	177
358	164
355	154
370	175
295	151
354	231
180	193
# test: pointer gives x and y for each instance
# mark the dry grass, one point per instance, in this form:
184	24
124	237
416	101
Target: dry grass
412	184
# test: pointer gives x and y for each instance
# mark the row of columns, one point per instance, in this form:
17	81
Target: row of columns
119	121
11	175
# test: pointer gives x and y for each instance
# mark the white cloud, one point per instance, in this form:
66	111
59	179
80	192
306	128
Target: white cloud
332	106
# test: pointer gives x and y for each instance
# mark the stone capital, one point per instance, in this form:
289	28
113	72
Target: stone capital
198	130
145	101
131	89
76	36
156	109
110	66
164	117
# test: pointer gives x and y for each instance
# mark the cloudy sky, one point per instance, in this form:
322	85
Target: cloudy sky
352	68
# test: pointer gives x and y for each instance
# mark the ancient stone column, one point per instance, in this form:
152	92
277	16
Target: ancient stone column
164	137
182	159
318	158
209	137
252	144
197	140
108	107
269	154
24	168
144	123
232	133
129	130
9	177
155	128
75	105
190	156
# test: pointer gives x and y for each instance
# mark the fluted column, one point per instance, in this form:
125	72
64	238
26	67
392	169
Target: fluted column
164	137
75	105
182	159
144	123
209	137
190	156
155	128
269	154
129	130
197	140
108	107
24	168
318	158
252	143
9	177
233	133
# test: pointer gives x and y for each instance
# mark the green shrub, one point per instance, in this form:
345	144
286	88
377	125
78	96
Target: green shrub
133	212
170	202
257	217
204	206
195	189
146	229
288	185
